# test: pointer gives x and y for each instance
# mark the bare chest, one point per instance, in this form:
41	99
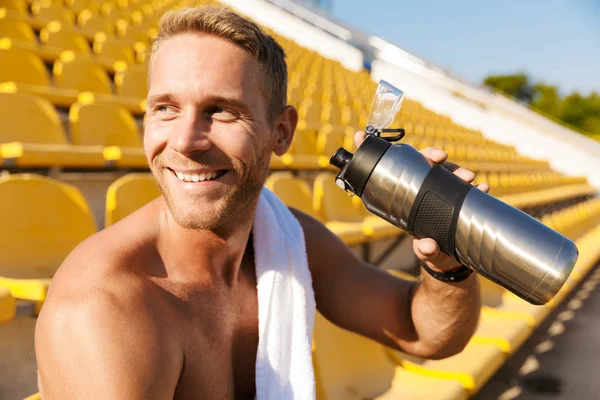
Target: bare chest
219	334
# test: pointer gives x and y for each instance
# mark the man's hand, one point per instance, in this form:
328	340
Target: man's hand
427	250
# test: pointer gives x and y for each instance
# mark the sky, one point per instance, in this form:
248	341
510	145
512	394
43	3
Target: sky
555	41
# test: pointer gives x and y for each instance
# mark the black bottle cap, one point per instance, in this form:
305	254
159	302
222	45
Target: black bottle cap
340	158
357	169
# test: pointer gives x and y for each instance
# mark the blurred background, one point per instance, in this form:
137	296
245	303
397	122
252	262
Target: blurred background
509	90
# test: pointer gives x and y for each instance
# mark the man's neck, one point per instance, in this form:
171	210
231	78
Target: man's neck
197	255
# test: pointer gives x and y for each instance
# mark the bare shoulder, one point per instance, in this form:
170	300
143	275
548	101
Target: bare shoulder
104	276
112	256
100	322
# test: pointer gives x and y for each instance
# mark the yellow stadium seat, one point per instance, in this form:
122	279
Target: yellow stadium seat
17	30
130	32
55	35
309	111
18	6
333	204
142	17
29	223
46	53
379	227
22	66
349	117
292	191
297	194
332	114
7	305
329	140
32	135
81	75
546	196
103	124
89	23
142	53
77	6
500	301
502	329
127	194
110	11
472	367
109	126
113	48
302	153
46	11
349	366
132	81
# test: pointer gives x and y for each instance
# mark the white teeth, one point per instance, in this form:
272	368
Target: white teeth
196	177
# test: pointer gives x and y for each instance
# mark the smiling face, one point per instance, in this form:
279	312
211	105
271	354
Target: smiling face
208	138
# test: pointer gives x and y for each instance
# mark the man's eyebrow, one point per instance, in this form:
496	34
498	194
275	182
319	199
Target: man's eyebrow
216	99
231	101
160	98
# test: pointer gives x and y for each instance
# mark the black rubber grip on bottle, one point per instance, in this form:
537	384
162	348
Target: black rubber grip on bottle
436	209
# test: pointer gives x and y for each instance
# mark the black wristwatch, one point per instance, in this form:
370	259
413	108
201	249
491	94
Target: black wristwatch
457	275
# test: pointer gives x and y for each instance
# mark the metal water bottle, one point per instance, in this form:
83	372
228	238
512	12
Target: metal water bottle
502	243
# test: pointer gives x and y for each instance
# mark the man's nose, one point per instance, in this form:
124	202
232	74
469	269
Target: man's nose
192	134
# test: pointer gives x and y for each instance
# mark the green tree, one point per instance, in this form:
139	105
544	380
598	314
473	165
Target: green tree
575	110
582	112
517	86
547	99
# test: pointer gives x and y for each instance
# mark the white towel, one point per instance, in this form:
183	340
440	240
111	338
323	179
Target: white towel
286	304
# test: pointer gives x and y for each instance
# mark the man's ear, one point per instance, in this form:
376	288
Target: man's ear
285	127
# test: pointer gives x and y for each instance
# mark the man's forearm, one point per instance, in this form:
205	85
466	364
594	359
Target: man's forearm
445	315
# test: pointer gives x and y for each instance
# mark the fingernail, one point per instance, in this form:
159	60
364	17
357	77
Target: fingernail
439	153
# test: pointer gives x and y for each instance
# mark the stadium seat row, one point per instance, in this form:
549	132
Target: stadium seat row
134	22
504	326
311	63
34	135
101	135
54	38
24	72
345	216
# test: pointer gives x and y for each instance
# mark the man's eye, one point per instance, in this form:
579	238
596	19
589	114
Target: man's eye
223	114
164	108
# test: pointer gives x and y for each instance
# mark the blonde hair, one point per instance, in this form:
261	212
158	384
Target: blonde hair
226	24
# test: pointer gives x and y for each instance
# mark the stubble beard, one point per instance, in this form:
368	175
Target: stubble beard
225	213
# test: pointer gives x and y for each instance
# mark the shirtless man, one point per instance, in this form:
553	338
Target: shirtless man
163	304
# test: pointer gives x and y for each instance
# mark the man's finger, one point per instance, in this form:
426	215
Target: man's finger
462	172
434	154
484	187
465	174
426	249
359	137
